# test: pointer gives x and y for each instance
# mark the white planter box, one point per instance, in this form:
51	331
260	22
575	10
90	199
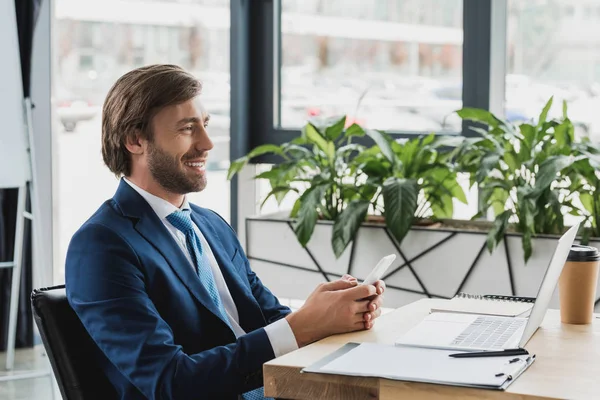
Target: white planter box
430	262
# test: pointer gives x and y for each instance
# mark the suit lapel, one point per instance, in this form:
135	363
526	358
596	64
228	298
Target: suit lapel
249	311
154	231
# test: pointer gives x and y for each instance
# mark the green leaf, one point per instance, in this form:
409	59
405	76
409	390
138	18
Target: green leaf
529	133
457	191
400	202
488	163
376	168
297	151
273	173
264	149
564	134
367	191
236	166
334	131
347	224
279	192
512	160
383	142
493	192
300	140
452	141
279	196
296	208
349	193
478	115
330	151
588	201
585	235
308	214
498	230
527	213
411	157
351	147
354	130
564	109
444	178
372	153
313	136
442	207
527	247
427	140
556	208
498	200
544	113
549	169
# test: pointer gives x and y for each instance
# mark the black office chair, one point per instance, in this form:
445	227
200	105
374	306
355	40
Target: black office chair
69	347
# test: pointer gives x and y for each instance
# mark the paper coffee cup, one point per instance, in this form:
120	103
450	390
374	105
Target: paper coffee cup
577	285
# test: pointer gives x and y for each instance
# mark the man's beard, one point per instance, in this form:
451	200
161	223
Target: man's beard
167	171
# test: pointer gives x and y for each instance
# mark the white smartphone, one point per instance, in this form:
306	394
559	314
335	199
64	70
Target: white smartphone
377	272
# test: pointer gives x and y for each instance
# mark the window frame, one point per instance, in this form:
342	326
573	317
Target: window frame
256	74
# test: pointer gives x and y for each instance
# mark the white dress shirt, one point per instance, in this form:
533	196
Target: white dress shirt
280	333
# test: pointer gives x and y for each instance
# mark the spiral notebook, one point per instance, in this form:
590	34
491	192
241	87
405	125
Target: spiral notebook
506	306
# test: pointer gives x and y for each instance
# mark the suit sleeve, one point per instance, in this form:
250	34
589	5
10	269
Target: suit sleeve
106	288
269	304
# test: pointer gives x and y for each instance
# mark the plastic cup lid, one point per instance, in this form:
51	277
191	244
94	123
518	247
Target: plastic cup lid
583	253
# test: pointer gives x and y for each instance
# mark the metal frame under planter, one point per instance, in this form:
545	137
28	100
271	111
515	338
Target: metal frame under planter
431	262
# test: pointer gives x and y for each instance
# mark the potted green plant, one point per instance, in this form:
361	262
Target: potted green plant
585	179
355	203
401	181
523	173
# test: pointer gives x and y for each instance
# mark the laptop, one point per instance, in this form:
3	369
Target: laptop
473	332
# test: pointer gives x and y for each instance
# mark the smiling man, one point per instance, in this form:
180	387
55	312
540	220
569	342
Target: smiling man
163	286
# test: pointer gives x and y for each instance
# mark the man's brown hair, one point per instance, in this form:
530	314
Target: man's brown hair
133	101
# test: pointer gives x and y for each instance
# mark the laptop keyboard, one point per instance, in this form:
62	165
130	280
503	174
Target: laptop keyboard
488	332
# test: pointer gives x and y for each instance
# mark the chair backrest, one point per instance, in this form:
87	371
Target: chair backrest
69	347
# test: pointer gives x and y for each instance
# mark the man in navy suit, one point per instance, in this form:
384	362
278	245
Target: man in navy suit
163	286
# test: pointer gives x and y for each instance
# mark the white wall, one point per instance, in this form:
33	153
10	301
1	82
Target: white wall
41	78
13	156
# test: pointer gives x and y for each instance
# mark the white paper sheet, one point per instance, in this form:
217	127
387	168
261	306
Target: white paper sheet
425	365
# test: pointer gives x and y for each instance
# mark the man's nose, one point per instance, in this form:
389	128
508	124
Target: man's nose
204	142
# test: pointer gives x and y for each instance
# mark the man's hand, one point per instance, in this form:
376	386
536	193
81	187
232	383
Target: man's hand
374	306
335	307
376	301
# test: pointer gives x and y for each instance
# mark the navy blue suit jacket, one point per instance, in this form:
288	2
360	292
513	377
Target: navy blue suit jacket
158	332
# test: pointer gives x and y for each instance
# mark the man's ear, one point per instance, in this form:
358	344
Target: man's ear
134	142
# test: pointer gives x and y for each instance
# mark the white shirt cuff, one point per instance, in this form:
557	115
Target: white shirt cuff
281	337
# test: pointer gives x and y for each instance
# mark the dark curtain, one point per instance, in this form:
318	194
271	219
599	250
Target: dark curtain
8	210
27	14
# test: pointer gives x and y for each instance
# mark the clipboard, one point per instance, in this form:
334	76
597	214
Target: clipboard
424	365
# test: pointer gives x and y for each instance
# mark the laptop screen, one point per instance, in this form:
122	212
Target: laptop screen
549	284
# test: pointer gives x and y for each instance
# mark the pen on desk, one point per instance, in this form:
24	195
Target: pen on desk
501	353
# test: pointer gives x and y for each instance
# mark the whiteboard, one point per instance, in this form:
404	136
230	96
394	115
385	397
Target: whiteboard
14	161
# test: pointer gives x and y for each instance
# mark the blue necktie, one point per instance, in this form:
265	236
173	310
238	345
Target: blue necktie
182	221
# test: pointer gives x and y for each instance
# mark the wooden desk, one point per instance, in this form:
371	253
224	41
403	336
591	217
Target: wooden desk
567	365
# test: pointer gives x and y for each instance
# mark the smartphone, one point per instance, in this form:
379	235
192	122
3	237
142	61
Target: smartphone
377	272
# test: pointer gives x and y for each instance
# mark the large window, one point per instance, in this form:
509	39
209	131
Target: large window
98	41
387	64
553	49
